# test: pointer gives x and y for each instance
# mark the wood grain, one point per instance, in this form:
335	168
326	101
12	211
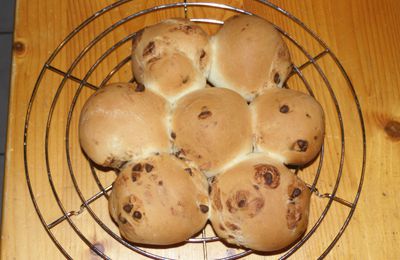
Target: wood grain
363	34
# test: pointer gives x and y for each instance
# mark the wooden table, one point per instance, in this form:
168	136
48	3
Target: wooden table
365	36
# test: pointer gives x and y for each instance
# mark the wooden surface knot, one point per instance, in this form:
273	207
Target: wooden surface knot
392	129
19	48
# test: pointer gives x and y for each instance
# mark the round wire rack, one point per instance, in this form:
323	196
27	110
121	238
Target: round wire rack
327	87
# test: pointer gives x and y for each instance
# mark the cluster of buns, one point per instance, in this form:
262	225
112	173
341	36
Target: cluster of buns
187	152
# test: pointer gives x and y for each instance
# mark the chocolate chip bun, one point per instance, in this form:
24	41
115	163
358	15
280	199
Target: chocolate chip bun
211	127
122	121
288	124
248	56
159	200
172	57
169	131
259	204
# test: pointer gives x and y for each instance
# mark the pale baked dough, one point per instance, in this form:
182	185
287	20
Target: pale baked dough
288	124
212	127
248	56
122	121
172	57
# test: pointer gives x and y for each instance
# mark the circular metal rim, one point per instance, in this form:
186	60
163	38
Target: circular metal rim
185	5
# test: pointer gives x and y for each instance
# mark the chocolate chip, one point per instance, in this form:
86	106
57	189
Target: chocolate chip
296	192
149	49
241	203
228	204
137	168
160	183
256	187
180	154
185	80
204	114
203	208
173	135
135	176
139	88
232	226
277	78
268	178
267	174
203	54
122	219
284	109
189	170
237	200
127	208
301	145
308	115
148	167
211	179
137	214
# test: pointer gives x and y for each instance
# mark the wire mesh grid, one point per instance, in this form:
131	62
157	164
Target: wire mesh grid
103	190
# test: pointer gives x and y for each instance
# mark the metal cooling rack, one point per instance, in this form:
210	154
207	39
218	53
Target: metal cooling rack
68	215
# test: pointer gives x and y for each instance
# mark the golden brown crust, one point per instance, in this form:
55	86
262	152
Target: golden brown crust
212	127
249	55
157	201
122	121
174	47
250	210
164	133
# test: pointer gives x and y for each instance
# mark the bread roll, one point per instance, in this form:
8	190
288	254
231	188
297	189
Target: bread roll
212	127
248	56
172	57
259	204
289	125
159	200
122	121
